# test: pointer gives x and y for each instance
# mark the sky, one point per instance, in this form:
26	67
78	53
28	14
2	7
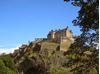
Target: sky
24	20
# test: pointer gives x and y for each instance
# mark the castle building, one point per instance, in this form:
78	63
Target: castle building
64	37
60	35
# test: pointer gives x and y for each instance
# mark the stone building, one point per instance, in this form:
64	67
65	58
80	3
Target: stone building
60	35
63	36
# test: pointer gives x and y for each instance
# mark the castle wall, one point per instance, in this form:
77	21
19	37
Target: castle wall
69	34
60	35
51	36
64	46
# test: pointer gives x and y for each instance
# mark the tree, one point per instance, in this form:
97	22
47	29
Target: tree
88	20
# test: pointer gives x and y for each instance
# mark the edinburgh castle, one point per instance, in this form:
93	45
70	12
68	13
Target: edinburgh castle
63	36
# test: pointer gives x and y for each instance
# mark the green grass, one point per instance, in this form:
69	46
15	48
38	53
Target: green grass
7	65
59	70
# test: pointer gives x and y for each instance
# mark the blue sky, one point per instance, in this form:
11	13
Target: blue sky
23	20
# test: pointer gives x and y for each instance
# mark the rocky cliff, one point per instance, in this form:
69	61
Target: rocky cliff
40	57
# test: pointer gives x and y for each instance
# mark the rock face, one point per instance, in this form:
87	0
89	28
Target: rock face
38	57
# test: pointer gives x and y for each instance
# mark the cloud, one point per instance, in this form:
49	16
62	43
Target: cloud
8	50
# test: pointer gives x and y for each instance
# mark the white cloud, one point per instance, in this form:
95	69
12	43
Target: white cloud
8	50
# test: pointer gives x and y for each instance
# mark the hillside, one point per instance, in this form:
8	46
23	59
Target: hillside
45	57
41	57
